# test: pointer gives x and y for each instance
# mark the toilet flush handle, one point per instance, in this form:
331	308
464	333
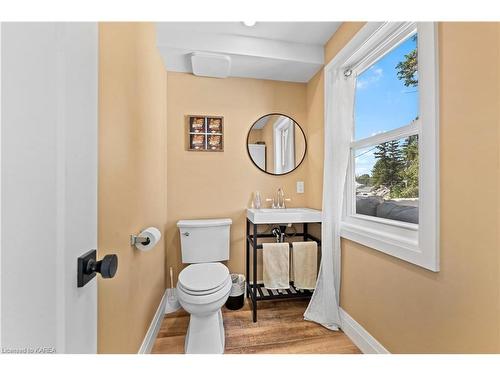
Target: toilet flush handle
185	234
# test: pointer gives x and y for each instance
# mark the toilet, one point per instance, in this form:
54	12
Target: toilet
203	286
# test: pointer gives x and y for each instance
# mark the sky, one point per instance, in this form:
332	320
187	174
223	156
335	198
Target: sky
382	102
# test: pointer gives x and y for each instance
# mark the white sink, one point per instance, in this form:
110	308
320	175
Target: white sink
283	215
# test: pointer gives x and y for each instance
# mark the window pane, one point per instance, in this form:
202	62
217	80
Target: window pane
387	180
387	92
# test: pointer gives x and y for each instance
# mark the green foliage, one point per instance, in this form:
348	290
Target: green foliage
387	169
410	171
364	179
408	68
397	167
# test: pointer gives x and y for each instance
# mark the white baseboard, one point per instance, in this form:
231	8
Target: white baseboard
154	327
360	336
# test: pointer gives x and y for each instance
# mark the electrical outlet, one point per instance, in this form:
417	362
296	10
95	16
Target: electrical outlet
300	187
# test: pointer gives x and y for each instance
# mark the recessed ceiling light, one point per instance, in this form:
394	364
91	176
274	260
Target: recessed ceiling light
249	23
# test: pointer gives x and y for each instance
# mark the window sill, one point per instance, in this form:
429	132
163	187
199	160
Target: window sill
391	222
402	247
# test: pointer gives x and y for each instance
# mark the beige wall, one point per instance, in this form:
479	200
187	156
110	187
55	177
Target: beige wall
409	309
220	184
132	180
255	136
315	141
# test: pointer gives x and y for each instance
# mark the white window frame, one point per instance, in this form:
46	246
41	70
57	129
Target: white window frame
415	243
283	138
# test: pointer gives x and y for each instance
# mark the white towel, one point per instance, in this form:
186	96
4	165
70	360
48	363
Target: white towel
276	263
305	264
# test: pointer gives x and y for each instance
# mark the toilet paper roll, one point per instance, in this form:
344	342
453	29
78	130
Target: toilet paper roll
154	236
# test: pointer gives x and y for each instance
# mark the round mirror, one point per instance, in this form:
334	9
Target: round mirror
276	144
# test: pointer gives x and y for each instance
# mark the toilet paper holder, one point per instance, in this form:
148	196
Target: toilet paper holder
146	240
138	239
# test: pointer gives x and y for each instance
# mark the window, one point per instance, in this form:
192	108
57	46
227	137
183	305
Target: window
391	190
386	179
385	164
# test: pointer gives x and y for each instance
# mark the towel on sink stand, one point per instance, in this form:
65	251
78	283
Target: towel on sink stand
276	265
305	264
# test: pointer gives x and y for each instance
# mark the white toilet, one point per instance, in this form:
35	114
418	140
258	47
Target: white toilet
203	287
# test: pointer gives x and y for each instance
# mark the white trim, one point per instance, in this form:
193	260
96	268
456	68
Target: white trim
386	38
395	134
381	220
355	44
428	66
1	212
283	163
154	327
420	247
360	336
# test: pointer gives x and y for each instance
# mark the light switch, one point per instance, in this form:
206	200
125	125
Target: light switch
300	187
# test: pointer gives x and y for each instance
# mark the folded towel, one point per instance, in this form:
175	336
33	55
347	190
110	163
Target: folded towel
305	264
276	263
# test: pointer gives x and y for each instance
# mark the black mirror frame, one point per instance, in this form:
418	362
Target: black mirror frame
305	144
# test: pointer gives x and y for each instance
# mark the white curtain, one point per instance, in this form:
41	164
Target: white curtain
324	305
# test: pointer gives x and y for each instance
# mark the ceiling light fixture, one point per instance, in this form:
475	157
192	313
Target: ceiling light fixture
249	23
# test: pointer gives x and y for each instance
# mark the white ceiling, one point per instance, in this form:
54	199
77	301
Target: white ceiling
283	51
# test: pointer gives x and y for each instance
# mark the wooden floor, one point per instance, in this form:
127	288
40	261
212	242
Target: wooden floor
280	329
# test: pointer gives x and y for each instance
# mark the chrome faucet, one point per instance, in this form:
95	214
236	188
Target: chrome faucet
273	202
280	200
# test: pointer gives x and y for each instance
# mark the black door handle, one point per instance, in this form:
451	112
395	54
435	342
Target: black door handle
107	266
88	266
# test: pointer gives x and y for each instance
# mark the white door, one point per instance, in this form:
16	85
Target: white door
48	186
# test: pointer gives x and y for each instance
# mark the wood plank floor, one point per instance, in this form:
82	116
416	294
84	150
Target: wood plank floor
280	329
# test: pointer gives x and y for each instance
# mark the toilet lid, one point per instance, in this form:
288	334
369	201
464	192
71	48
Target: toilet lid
203	276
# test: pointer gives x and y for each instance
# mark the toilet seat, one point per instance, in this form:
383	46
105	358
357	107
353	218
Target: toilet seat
186	296
203	278
203	282
200	292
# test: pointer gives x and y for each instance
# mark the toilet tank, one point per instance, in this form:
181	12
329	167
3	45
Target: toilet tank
204	241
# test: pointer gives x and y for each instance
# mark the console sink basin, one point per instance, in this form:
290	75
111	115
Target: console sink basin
283	215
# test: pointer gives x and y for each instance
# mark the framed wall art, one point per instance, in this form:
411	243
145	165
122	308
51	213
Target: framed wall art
205	133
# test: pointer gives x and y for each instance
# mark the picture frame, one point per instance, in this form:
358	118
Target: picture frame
205	133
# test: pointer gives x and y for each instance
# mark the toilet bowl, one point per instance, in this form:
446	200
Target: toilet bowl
202	290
